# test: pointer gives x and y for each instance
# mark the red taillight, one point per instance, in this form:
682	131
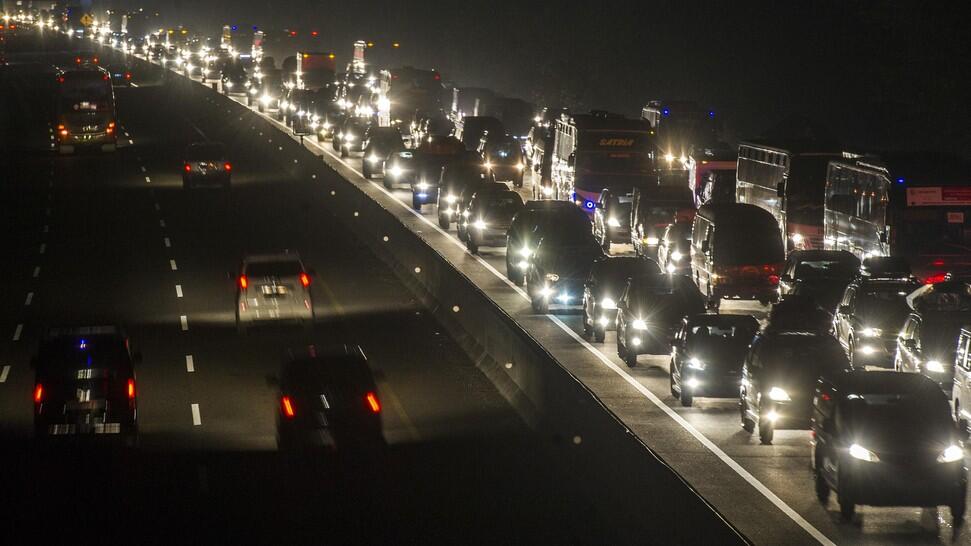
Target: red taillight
243	282
131	389
188	168
372	402
228	166
935	278
305	280
38	393
287	406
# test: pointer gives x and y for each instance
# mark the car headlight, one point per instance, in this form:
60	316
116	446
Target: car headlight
608	303
951	454
479	224
695	364
871	332
396	171
613	222
652	241
639	324
450	199
935	366
859	452
777	394
552	277
422	186
676	256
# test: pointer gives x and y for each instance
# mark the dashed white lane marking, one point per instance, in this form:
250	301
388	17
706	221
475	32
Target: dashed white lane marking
178	290
168	243
36	271
43	248
148	179
4	373
161	223
184	321
17	331
189	364
196	416
144	170
30	298
172	265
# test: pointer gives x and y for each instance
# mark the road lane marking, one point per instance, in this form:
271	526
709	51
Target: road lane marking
17	331
196	416
36	271
4	373
43	248
714	449
172	265
168	243
189	364
30	298
184	321
178	290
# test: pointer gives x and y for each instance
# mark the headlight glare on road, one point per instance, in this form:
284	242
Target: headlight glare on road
859	452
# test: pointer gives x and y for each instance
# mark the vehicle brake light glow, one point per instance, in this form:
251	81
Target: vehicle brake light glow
373	403
243	281
228	166
305	280
287	406
131	389
38	393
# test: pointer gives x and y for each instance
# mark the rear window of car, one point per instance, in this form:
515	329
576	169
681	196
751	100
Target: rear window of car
283	268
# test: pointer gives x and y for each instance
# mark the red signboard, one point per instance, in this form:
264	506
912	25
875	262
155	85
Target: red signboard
938	196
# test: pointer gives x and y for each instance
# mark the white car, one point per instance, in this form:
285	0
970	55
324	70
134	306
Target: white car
273	287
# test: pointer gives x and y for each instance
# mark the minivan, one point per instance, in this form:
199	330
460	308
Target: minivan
736	252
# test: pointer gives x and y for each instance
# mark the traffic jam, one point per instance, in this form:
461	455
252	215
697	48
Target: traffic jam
814	286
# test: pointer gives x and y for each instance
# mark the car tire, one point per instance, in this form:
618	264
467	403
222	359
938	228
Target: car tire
822	488
599	333
748	425
766	432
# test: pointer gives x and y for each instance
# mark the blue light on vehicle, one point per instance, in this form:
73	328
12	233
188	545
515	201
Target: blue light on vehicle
666	111
900	180
83	344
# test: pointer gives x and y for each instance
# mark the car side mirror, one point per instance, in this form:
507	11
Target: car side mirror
272	380
136	357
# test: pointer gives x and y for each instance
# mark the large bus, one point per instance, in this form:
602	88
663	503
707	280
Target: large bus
596	150
788	179
917	207
84	110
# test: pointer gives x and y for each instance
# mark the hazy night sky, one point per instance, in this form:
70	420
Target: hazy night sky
880	74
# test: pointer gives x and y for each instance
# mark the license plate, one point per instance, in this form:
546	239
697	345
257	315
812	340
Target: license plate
274	290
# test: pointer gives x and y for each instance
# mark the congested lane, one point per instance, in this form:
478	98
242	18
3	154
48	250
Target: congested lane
705	442
113	238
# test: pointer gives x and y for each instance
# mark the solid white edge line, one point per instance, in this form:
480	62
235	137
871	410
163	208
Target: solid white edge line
4	373
184	322
189	364
196	416
715	450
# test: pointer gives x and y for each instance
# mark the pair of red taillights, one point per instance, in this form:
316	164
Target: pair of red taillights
304	280
290	409
226	167
39	391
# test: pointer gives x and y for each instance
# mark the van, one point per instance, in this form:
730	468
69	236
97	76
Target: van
736	252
